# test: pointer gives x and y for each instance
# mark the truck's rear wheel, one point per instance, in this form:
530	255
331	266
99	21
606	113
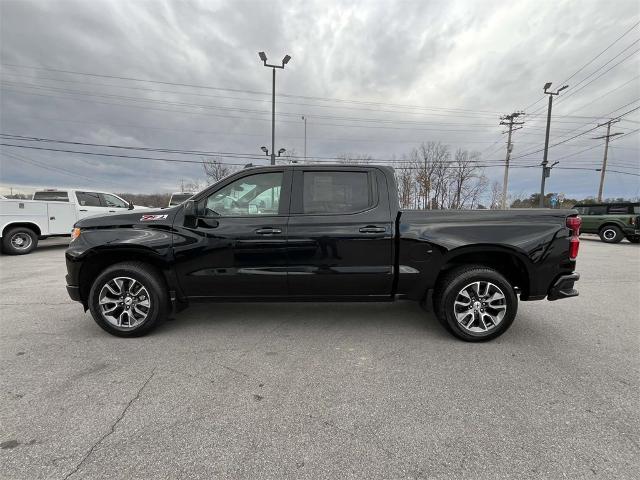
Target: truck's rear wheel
19	241
611	234
475	303
128	299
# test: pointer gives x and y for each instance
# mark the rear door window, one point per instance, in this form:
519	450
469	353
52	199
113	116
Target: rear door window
597	210
88	199
52	196
338	192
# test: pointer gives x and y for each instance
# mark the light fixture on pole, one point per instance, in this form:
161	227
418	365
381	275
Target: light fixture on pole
546	171
285	60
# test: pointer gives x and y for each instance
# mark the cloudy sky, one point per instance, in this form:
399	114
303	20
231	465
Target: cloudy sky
372	77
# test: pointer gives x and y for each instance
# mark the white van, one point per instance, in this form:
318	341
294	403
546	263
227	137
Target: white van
52	212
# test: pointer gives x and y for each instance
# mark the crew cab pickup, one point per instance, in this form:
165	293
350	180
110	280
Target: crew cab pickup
51	213
320	233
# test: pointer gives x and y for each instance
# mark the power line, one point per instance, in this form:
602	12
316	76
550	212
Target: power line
580	134
206	87
217	107
482	113
238	155
576	90
605	94
36	163
573	92
417	128
588	63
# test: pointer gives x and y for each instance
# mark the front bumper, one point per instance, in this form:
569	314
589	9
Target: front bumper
563	287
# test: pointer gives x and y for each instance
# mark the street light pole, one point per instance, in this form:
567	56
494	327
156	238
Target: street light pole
546	171
304	117
285	60
273	118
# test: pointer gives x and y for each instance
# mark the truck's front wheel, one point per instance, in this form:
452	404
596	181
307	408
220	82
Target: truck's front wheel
128	299
19	241
475	303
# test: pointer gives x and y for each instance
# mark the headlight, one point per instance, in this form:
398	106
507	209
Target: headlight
75	233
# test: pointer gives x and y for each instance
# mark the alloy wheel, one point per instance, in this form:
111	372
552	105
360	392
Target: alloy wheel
479	307
124	302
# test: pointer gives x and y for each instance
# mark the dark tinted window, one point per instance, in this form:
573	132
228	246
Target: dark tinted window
597	210
51	196
88	199
581	210
619	209
335	192
257	194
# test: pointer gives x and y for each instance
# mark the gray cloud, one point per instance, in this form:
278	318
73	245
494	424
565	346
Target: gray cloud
483	57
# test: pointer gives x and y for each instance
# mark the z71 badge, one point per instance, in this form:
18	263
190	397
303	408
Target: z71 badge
149	218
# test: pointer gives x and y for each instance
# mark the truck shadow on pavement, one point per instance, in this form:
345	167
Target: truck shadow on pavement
392	318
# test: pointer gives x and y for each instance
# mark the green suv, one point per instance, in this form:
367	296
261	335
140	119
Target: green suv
612	221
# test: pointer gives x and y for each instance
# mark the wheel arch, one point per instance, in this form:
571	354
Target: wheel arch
30	225
611	223
510	263
98	260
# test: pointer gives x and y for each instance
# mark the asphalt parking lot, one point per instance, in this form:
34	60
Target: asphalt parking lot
321	390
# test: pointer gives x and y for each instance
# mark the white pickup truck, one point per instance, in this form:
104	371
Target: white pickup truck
52	213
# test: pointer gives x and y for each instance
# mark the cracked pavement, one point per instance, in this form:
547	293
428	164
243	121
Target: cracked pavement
320	390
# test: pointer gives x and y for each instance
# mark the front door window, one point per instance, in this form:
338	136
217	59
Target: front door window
257	194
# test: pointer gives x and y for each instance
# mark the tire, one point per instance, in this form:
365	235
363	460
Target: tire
19	241
610	234
141	300
485	319
634	239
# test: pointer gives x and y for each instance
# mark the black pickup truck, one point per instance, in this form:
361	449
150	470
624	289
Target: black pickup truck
320	233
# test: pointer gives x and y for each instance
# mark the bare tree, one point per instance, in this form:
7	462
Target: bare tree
215	169
354	158
193	186
405	178
495	198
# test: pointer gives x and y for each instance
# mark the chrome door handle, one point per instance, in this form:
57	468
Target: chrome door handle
372	229
268	231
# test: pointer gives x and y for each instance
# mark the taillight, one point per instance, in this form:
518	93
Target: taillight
573	224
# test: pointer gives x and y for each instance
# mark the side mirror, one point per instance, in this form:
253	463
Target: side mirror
190	209
130	205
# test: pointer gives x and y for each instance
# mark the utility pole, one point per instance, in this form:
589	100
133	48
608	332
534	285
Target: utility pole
304	117
606	151
546	171
510	121
285	60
